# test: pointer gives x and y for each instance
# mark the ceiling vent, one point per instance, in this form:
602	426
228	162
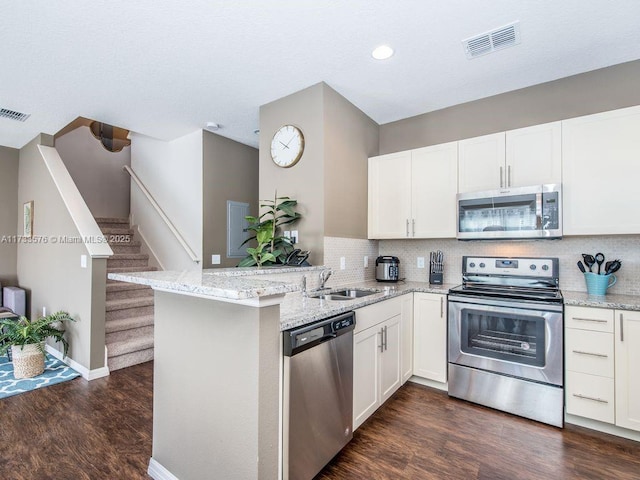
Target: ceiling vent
488	42
13	115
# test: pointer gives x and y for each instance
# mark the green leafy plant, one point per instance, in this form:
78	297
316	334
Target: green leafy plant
271	247
23	331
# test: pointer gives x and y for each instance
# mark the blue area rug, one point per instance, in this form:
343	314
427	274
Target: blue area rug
55	371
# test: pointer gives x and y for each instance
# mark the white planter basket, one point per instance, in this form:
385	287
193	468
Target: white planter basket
28	360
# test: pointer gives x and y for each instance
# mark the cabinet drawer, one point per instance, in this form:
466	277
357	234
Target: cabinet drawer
371	315
586	318
589	352
590	396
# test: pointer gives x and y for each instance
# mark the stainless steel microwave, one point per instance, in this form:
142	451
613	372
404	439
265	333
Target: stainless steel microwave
510	213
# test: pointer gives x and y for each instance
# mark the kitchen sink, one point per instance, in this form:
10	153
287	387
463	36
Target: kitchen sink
346	294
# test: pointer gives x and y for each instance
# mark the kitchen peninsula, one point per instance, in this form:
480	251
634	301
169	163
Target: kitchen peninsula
216	372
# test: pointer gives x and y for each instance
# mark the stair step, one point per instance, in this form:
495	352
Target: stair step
129	346
121	290
130	359
100	220
129	323
126	247
125	303
128	334
128	260
117	230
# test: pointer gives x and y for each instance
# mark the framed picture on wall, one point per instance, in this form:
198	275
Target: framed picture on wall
27	211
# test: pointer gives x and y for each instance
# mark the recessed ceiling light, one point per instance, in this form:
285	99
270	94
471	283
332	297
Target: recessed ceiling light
382	52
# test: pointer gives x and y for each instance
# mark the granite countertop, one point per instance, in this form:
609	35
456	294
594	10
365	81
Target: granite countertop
210	283
582	299
297	309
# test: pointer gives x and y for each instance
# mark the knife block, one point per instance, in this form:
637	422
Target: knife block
435	278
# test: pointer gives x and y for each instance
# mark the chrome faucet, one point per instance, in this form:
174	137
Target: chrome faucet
324	276
304	285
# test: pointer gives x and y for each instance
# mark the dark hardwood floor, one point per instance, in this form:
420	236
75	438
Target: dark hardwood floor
102	430
80	430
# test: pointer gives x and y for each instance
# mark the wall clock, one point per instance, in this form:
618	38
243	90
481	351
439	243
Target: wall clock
287	146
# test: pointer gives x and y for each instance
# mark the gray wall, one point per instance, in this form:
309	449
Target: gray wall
330	180
230	172
8	207
97	172
50	270
592	92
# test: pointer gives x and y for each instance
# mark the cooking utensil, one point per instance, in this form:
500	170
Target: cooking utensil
581	266
589	261
613	267
599	259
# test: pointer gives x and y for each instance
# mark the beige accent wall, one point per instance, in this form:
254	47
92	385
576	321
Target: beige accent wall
330	180
49	267
592	92
97	173
351	138
305	180
9	158
229	172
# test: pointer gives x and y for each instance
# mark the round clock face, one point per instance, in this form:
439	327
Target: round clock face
287	146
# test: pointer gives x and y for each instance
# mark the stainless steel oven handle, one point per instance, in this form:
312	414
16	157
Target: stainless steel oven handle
585	397
595	320
580	352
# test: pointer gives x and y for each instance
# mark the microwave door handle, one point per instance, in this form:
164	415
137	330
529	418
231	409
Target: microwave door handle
539	225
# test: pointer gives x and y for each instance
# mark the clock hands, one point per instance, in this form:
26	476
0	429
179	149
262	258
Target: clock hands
285	145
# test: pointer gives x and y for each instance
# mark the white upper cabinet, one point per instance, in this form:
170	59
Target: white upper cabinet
601	171
517	158
481	163
390	195
412	193
534	155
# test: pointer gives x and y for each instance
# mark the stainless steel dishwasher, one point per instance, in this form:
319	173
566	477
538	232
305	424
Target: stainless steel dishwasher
318	394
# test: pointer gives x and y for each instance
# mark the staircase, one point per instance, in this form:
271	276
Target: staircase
129	307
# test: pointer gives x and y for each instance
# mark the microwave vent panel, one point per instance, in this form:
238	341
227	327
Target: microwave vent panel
13	115
492	41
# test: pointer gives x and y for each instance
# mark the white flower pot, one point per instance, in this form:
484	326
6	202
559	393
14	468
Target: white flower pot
28	360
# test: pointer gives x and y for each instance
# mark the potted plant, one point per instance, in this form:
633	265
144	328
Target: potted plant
26	339
272	247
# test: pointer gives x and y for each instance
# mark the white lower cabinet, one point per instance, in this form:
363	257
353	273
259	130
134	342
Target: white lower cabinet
602	361
430	336
379	340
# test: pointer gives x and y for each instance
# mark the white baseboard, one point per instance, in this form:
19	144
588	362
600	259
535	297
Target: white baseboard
429	383
602	427
158	472
82	370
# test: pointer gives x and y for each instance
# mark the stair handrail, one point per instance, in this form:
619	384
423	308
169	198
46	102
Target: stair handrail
160	212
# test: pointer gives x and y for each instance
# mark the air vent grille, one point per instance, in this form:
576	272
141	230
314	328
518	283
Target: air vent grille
13	115
488	42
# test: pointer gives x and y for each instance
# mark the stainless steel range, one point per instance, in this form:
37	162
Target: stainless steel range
506	337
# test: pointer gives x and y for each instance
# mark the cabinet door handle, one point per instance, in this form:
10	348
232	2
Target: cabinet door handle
621	329
441	307
386	346
595	320
501	181
381	332
407	227
585	397
508	175
413	226
580	352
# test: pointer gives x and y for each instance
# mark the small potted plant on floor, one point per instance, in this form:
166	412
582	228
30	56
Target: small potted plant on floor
26	339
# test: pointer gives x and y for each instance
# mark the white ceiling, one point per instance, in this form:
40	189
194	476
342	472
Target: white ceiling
165	68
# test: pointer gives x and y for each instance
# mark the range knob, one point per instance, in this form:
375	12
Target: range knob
482	265
545	267
472	265
533	266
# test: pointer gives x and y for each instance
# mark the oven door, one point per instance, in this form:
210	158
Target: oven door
511	338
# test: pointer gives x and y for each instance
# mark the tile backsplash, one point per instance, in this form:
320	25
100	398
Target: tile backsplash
568	250
353	250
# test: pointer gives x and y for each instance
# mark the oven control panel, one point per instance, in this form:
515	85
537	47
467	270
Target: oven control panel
517	267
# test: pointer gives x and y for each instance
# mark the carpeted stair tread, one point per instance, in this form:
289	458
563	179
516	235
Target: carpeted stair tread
130	269
100	220
116	231
129	323
129	256
122	286
130	359
130	345
124	303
